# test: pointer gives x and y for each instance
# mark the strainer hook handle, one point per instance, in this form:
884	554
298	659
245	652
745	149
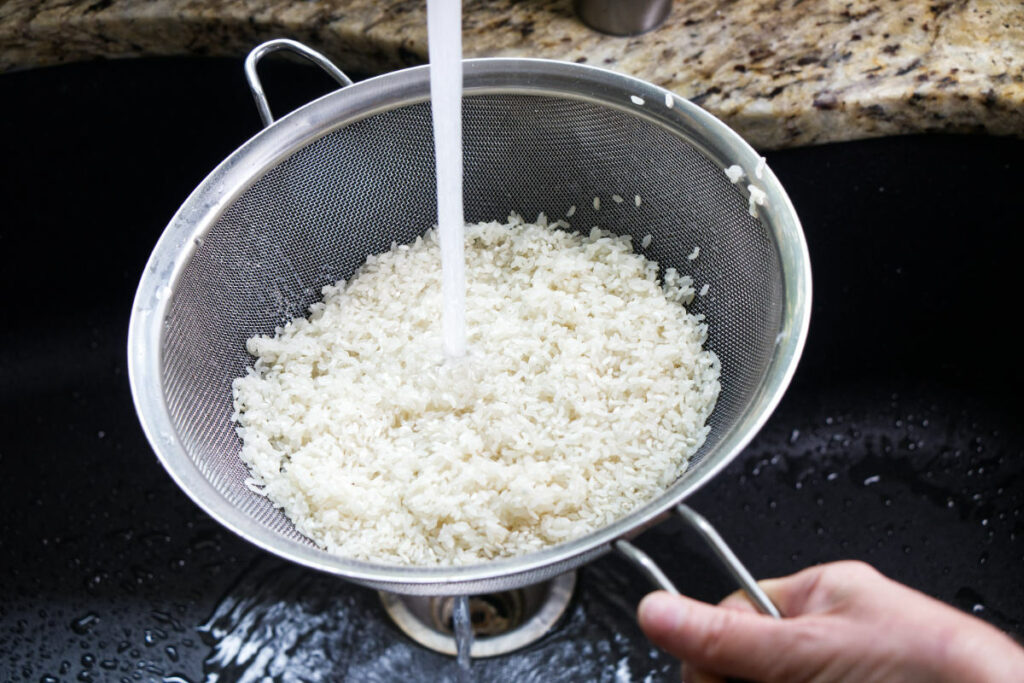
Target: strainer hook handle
260	51
721	549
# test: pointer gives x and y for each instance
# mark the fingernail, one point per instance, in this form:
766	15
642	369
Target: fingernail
661	613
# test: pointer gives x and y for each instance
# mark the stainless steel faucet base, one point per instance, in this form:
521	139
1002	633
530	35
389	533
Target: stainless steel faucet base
623	17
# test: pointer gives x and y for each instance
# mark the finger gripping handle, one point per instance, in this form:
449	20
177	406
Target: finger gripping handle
266	48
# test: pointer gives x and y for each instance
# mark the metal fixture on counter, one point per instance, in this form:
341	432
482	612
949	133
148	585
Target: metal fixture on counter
623	17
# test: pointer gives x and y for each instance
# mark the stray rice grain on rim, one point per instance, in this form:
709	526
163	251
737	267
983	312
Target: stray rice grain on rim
585	392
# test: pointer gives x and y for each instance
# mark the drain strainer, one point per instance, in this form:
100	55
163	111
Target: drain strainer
502	622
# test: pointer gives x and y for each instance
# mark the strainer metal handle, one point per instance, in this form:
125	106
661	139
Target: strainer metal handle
721	549
266	48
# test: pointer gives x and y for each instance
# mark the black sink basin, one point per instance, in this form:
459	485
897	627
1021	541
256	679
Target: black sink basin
898	443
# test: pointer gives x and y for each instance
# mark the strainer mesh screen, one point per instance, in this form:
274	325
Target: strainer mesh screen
314	218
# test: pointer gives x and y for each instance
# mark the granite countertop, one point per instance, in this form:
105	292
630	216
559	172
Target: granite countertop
783	73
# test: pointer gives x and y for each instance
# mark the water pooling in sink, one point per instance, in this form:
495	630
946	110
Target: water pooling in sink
281	622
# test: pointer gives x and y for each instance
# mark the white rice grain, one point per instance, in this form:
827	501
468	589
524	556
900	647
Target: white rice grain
757	198
735	173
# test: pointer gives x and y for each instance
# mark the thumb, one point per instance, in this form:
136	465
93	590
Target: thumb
722	641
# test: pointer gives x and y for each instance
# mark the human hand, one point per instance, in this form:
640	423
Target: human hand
844	622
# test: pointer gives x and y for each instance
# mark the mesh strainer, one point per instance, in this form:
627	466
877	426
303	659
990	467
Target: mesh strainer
304	202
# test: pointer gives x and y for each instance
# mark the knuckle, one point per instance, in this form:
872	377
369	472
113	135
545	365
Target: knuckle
858	568
843	575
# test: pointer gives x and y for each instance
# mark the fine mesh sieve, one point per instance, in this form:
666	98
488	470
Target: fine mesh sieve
304	202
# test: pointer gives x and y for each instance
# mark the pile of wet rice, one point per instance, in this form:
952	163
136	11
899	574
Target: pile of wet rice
585	391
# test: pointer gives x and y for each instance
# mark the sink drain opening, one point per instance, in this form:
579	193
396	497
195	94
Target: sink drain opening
502	622
490	615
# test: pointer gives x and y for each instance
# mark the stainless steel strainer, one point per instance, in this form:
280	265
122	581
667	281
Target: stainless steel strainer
303	203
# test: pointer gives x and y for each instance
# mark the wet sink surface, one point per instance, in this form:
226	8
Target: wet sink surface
897	443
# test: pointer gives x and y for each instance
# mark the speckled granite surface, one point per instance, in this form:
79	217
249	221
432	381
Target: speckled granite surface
781	72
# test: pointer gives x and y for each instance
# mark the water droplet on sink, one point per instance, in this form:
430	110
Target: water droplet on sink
84	624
